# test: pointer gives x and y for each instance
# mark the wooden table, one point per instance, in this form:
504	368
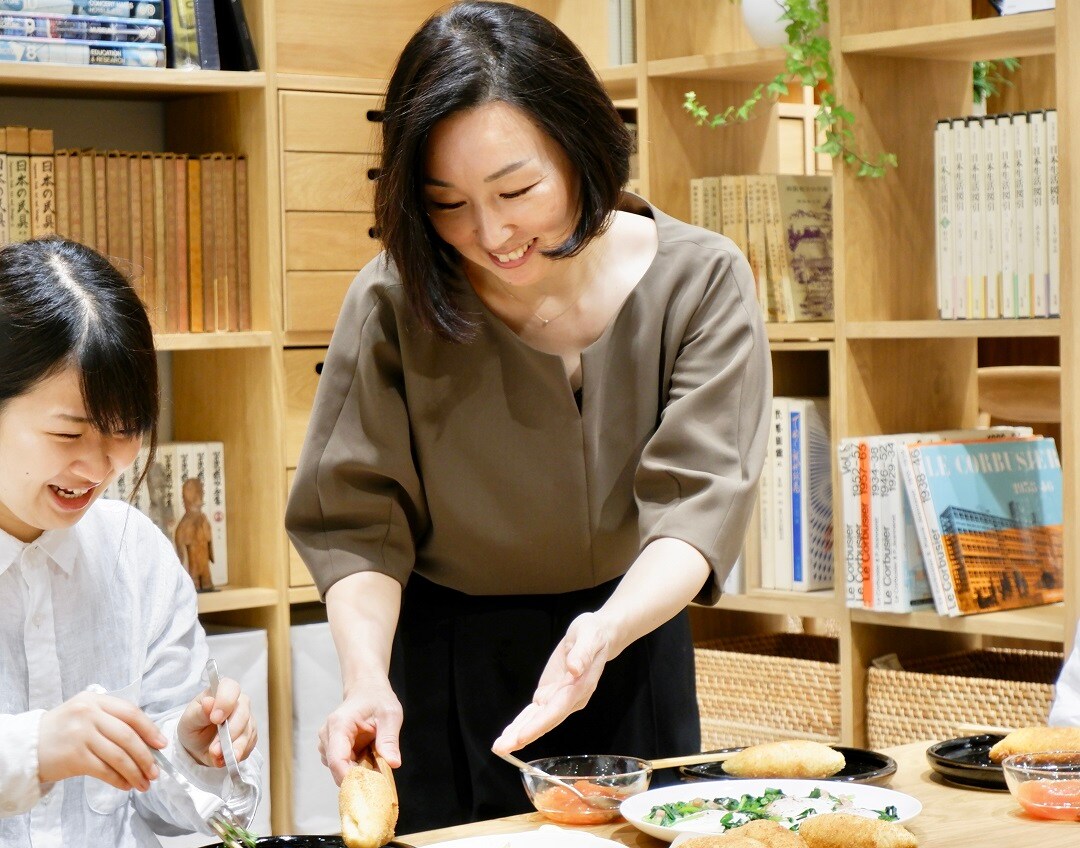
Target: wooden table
951	817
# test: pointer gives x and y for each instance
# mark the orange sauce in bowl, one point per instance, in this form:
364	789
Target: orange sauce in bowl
561	805
1050	799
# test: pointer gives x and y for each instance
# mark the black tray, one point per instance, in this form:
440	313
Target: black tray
965	761
294	842
860	766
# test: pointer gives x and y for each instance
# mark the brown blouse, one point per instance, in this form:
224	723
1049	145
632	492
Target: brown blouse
473	464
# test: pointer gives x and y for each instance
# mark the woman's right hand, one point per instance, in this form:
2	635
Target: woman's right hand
369	715
98	736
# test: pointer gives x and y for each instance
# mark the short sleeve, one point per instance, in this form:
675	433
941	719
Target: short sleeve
356	502
699	471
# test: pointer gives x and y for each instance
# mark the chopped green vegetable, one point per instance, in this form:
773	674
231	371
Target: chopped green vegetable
235	836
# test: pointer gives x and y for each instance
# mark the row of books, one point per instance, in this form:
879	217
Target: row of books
1016	7
795	497
183	493
179	223
963	521
997	212
210	34
620	20
783	225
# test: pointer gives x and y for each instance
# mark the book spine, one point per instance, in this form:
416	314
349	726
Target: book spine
614	35
116	208
627	48
147	258
101	202
977	239
135	224
43	182
4	237
961	226
221	276
210	282
992	218
229	191
195	242
63	192
162	234
866	548
64	52
782	558
19	187
170	321
181	303
1023	217
885	497
697	208
1053	213
938	559
139	9
922	530
217	512
848	458
944	218
80	28
243	249
797	481
766	511
1005	204
75	214
779	271
1040	251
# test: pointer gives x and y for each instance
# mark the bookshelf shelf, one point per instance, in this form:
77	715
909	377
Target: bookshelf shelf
933	329
212	341
814	331
149	83
338	85
237	599
1030	34
822	604
740	66
1046	623
303	595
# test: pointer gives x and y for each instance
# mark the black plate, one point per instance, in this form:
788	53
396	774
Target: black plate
966	761
295	842
860	766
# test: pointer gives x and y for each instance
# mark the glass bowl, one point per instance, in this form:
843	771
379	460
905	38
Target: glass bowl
609	775
1047	785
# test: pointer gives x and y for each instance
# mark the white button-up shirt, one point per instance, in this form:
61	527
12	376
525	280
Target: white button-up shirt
105	603
1065	711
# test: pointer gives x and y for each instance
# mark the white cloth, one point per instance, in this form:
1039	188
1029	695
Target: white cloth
107	604
1065	711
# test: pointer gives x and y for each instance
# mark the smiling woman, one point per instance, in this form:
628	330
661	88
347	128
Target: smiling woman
507	493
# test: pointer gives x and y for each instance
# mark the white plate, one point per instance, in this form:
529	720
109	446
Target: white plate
547	835
635	808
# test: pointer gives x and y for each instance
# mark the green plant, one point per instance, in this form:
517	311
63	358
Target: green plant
986	77
809	61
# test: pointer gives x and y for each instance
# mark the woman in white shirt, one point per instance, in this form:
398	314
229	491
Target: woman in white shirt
101	651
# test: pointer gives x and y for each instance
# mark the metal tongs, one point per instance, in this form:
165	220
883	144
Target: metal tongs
241	789
221	820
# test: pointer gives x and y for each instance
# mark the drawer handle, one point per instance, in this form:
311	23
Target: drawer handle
373	173
373	232
318	368
374	115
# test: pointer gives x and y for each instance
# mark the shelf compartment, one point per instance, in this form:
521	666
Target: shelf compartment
740	66
1043	623
212	341
336	85
236	599
157	84
1030	34
968	329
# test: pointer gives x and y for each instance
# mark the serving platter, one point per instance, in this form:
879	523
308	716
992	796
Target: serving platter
965	761
860	766
546	835
636	808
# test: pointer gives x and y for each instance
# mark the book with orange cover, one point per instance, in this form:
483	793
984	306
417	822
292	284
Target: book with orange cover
146	214
101	216
206	196
18	183
161	276
42	184
194	213
74	196
229	191
167	304
88	195
117	194
63	192
243	250
221	273
182	298
135	228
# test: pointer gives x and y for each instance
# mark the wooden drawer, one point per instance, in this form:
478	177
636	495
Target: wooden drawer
298	573
331	123
302	368
330	182
329	241
313	299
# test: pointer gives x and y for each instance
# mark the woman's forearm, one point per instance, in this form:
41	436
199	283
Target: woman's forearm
363	611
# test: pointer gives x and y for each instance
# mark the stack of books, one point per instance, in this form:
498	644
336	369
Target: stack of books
179	223
960	521
998	228
795	497
783	224
183	493
1016	7
621	33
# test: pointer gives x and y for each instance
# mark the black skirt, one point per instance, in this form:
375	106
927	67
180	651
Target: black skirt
463	666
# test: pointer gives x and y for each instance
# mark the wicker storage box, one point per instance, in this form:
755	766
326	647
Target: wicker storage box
928	700
763	688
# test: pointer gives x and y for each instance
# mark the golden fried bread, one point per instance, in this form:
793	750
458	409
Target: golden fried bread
731	839
1031	740
368	803
791	758
843	830
768	834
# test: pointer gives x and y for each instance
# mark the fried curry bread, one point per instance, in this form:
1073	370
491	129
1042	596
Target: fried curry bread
843	830
791	758
1032	740
368	803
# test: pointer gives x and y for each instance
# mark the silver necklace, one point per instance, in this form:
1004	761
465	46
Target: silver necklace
545	321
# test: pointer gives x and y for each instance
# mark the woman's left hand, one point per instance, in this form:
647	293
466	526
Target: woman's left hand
568	681
197	730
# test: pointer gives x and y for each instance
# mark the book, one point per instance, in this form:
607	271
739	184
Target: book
179	295
81	27
996	508
991	217
1023	216
116	208
780	466
1053	213
140	9
1005	206
63	52
191	35
960	226
777	267
755	239
3	187
101	199
160	483
158	302
850	520
228	193
976	235
195	242
1040	272
243	252
147	259
42	184
62	171
135	224
943	217
1017	7
627	47
235	44
216	510
209	278
807	231
18	186
811	495
75	213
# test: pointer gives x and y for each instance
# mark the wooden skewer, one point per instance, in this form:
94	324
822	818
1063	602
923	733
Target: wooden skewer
690	760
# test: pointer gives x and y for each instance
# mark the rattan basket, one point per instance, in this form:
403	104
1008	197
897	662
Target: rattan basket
763	688
933	698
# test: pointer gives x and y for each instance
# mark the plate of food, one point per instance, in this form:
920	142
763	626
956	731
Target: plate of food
722	805
966	761
547	835
860	766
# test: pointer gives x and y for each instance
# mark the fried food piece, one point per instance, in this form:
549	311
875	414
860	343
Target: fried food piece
767	834
843	830
792	758
368	803
1031	740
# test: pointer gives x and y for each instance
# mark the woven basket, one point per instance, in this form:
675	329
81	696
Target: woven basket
932	698
764	688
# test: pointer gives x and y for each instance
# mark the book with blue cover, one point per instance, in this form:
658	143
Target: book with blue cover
991	523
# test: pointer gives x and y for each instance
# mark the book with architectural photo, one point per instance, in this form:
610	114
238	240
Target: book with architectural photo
991	514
